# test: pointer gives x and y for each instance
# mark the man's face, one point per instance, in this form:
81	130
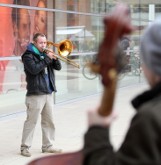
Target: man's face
41	43
23	30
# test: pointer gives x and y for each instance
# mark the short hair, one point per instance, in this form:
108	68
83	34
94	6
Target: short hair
36	35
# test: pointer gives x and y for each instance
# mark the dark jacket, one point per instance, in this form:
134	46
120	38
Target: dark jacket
142	144
34	67
125	43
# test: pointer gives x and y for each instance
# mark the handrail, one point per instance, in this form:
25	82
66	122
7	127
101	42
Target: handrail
19	57
50	10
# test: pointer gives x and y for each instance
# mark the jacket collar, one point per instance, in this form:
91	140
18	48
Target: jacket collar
32	48
146	96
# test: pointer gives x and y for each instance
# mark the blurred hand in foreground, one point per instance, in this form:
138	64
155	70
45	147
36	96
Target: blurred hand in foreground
94	118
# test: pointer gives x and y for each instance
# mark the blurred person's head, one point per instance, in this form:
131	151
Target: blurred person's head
40	19
151	52
21	27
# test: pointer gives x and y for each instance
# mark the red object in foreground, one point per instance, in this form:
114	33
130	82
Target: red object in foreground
73	158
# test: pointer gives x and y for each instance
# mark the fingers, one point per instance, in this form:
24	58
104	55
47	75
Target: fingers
51	55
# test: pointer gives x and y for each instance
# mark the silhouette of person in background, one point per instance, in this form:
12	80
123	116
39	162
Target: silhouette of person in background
125	43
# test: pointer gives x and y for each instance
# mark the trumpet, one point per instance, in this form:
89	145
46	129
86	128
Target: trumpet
65	47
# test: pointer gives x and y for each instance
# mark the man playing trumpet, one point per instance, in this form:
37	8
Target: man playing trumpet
38	67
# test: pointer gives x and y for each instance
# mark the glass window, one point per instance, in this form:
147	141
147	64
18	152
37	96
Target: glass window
75	20
141	8
158	8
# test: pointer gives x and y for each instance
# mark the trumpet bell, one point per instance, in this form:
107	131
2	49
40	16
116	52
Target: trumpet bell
65	48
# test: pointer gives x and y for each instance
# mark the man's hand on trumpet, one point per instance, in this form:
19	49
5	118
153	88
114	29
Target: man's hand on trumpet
51	54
